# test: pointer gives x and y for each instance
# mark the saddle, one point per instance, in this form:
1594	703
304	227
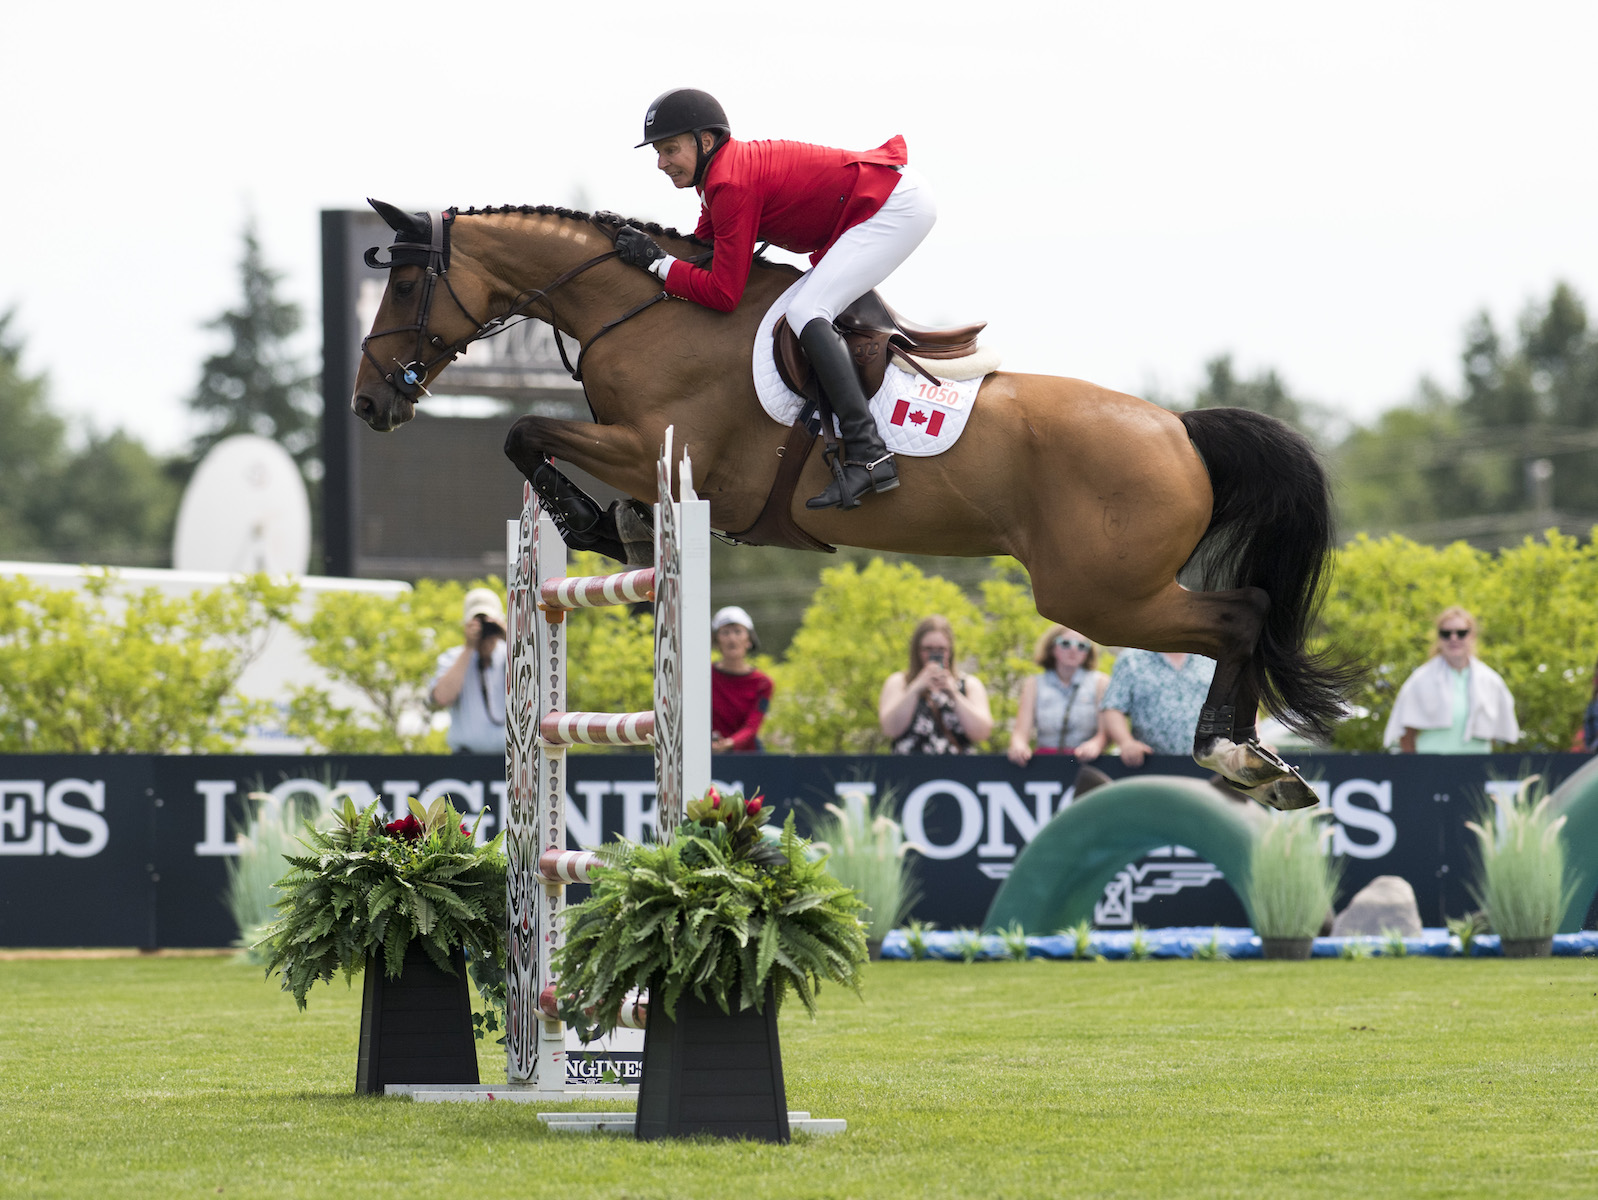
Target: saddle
873	332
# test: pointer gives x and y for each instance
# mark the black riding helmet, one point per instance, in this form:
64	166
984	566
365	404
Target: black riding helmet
686	110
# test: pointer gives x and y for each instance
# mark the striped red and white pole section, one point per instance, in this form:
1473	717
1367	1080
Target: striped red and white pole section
598	729
598	591
567	866
634	1010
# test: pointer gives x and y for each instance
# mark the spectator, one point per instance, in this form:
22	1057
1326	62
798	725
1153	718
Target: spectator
1151	706
1589	720
932	708
1062	701
739	694
1453	703
471	679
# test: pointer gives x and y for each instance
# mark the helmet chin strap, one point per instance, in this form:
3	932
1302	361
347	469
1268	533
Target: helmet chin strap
702	159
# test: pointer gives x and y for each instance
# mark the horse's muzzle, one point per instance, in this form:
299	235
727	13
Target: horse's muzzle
383	413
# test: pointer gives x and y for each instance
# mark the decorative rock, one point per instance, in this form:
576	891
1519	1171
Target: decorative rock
1385	903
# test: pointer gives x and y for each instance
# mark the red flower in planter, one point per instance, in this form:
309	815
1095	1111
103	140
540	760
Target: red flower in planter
754	806
410	828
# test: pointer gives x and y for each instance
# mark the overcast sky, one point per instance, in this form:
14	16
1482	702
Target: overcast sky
1125	190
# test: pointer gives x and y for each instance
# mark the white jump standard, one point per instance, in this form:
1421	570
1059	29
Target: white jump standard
539	729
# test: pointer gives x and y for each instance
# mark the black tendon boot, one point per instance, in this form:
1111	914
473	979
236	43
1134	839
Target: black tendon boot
867	466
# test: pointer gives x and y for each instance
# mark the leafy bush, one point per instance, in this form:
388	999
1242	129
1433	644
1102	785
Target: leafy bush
1292	879
113	670
856	632
1521	881
1533	605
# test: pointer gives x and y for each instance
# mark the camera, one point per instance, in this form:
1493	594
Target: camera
487	628
935	656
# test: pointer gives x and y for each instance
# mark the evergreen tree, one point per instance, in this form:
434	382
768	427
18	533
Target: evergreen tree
31	452
109	501
254	385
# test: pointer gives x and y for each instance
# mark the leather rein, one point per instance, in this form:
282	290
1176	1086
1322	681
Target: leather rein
433	256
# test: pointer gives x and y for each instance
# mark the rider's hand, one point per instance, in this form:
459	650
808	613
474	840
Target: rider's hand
636	248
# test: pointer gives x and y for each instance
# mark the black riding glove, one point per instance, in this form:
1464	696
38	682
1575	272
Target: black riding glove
637	248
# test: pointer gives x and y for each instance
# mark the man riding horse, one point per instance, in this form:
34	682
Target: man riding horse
858	214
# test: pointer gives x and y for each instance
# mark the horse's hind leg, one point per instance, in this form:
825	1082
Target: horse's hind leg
1226	739
1224	626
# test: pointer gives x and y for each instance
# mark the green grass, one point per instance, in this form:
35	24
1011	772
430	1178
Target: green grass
1380	1077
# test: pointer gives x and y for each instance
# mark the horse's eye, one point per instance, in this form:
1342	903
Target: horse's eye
405	287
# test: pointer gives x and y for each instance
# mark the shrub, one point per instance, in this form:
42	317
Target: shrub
112	670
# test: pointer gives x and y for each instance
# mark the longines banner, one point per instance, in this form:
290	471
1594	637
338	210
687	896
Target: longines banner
133	851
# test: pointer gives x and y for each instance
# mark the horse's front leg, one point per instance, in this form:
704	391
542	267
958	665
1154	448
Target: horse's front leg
1226	739
611	453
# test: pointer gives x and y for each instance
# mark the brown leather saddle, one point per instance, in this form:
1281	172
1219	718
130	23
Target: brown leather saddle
873	332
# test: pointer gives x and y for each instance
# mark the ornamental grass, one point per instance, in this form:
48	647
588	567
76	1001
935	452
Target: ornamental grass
1521	880
1292	879
866	851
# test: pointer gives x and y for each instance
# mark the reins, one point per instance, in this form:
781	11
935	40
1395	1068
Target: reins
433	257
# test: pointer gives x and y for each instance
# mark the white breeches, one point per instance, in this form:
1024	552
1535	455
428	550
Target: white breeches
867	254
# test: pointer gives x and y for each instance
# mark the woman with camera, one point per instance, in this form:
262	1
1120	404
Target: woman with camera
932	708
471	679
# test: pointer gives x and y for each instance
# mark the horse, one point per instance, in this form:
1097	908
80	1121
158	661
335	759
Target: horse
1206	532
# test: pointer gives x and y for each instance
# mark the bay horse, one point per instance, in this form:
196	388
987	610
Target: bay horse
1104	498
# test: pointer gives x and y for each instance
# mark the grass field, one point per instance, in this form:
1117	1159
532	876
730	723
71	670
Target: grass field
157	1077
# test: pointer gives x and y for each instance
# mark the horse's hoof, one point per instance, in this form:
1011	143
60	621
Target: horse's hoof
636	534
1257	771
1249	765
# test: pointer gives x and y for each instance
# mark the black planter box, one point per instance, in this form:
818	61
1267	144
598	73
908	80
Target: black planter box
707	1071
417	1028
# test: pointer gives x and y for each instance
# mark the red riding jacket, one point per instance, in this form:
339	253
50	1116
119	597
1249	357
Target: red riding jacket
791	194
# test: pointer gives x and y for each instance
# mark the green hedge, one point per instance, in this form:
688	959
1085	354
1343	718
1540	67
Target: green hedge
110	670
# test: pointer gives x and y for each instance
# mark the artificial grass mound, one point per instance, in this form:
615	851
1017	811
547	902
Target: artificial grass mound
1401	1077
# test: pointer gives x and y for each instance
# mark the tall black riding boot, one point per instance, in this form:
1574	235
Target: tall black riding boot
867	465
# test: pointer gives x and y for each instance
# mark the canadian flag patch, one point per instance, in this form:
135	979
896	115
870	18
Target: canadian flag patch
924	418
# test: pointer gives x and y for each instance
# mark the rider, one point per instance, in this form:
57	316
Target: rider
858	214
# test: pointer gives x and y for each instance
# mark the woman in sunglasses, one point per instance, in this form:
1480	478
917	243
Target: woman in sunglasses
1062	702
1454	703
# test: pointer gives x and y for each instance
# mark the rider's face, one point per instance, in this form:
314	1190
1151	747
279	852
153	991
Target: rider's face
677	159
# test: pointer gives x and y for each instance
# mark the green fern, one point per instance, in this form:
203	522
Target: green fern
361	891
709	913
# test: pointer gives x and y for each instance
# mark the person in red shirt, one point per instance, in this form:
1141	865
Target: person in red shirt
739	694
857	213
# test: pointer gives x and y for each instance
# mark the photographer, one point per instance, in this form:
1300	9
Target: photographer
471	679
932	708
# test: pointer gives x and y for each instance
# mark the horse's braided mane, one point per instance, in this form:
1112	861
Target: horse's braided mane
654	228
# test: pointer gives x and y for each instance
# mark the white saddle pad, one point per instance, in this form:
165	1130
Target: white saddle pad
915	417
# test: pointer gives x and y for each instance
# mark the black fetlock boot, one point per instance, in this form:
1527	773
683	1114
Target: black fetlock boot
867	465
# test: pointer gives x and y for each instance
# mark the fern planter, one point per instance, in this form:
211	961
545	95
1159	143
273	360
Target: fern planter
715	1072
401	903
720	925
416	1028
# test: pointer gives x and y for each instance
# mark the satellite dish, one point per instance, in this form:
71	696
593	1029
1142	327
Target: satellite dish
244	510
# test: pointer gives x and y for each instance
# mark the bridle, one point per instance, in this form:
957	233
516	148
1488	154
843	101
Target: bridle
433	257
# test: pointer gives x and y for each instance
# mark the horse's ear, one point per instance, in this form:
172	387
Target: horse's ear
412	224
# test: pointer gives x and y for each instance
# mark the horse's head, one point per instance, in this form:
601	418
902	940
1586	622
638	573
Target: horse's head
419	327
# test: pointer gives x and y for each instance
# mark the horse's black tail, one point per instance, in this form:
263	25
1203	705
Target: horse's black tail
1271	528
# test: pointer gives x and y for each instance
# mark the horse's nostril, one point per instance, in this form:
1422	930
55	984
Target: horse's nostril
365	407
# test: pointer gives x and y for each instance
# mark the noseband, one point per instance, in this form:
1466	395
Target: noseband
433	257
